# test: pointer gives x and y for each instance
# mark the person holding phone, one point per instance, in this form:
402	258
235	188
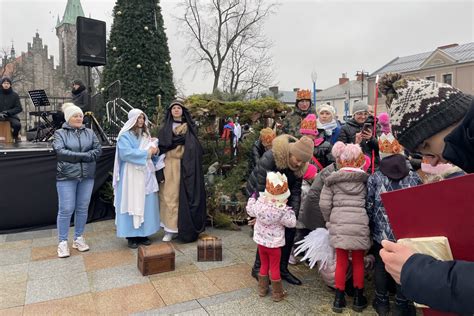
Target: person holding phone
360	130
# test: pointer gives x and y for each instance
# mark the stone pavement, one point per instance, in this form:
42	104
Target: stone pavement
105	280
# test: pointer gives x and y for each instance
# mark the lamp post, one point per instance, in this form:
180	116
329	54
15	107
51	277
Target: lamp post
362	74
314	77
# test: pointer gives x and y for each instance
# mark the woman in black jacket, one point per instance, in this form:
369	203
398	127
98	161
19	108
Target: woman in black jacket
288	156
77	149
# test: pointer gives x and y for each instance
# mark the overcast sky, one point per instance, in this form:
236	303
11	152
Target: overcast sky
331	37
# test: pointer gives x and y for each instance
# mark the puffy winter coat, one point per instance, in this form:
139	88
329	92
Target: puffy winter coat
311	217
257	152
77	150
269	230
322	153
342	204
276	159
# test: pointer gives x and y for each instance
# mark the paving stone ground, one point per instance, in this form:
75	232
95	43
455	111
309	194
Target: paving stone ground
106	281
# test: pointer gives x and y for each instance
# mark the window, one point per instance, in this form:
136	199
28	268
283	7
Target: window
448	78
432	78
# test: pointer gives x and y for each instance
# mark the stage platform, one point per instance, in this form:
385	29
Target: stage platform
28	197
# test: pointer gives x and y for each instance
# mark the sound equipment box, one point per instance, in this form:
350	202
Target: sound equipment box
91	42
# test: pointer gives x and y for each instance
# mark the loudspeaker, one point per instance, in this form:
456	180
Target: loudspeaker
91	42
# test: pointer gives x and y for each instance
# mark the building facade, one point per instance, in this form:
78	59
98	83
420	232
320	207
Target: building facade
452	64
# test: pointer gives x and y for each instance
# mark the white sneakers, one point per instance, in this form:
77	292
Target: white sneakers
168	237
63	249
79	244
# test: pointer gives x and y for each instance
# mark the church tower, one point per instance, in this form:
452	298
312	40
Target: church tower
66	33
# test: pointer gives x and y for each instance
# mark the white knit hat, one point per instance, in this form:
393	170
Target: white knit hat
69	110
327	107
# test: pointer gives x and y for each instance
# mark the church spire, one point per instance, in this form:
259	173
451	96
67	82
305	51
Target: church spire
73	10
12	53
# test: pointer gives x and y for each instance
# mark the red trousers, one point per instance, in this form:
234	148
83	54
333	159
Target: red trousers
342	262
270	261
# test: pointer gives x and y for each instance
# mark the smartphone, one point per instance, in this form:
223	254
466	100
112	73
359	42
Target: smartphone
367	127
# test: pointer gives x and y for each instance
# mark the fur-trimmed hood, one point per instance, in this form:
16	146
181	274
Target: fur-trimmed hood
281	153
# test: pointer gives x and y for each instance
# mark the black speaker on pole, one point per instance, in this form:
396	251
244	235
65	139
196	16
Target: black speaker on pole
91	42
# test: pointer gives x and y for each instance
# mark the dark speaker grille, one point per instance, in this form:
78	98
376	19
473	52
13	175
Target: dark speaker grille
91	42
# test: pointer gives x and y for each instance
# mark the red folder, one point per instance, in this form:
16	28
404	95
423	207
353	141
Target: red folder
444	208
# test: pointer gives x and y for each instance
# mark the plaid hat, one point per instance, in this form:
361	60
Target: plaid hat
267	135
360	106
421	108
302	149
308	125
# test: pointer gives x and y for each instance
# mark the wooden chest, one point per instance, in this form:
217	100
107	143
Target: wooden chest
5	132
156	258
209	249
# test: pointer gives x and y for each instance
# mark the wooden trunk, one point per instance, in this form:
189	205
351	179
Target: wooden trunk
209	249
5	132
156	258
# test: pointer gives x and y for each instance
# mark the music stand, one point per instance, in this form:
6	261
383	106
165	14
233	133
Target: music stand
40	100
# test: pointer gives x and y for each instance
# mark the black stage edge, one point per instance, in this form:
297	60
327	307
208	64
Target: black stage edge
28	196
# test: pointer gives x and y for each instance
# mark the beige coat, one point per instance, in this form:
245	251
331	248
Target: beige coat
342	204
169	190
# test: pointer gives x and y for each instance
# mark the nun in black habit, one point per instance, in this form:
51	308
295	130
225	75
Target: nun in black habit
182	194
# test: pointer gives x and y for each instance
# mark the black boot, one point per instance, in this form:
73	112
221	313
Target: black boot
285	256
256	266
403	308
339	302
360	301
381	304
144	241
132	242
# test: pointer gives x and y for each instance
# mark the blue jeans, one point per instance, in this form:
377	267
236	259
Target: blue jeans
73	195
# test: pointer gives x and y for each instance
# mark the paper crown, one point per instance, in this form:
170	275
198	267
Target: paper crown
308	125
389	145
358	162
303	95
267	135
276	186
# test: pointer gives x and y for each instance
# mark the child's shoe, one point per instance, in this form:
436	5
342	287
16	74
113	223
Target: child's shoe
263	282
339	301
278	293
360	301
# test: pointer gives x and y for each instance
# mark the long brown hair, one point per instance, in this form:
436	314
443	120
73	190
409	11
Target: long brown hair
135	127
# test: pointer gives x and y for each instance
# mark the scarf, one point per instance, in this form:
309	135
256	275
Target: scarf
328	127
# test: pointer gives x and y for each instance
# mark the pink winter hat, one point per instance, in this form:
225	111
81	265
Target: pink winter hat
311	172
308	125
384	121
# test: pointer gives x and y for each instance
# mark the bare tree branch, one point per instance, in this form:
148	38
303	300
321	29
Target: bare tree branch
214	31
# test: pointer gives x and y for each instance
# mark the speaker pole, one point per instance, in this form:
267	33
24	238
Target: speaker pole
89	80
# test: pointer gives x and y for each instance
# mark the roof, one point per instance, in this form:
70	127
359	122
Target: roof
72	11
352	87
287	97
460	53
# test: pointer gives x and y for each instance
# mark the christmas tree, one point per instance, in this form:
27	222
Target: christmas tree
138	55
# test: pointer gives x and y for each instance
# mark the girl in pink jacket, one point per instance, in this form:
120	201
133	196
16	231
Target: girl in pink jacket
272	216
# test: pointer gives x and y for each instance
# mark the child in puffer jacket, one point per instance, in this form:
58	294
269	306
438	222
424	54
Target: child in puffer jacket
393	174
272	216
342	204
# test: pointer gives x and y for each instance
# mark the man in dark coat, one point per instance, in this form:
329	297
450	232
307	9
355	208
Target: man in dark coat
437	121
353	131
80	96
290	157
10	106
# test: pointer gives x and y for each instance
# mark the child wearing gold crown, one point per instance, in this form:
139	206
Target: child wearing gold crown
342	204
393	174
272	216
